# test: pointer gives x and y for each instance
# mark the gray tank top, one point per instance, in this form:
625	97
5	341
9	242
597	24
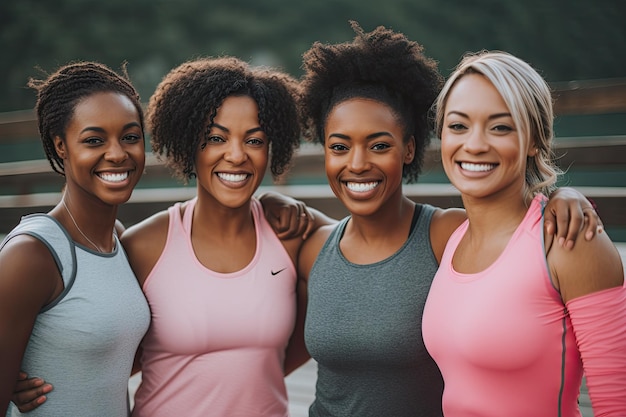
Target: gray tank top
364	329
84	342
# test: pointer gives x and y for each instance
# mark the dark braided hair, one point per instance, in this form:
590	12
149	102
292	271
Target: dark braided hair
381	65
187	100
60	93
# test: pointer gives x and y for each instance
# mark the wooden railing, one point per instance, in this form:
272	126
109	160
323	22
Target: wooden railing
31	186
306	181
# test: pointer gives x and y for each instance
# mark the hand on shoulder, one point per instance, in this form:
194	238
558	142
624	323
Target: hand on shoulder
589	266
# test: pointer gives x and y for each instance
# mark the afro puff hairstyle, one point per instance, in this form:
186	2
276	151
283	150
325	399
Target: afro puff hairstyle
61	91
381	65
187	100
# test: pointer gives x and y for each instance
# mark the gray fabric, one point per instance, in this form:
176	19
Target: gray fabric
84	343
363	327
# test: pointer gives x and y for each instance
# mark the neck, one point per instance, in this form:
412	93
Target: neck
101	242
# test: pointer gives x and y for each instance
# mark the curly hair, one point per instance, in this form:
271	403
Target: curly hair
381	65
188	97
60	93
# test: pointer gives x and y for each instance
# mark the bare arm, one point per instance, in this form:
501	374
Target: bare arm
590	266
290	217
29	279
297	354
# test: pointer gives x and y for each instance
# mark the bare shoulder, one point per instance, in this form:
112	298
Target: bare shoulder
147	229
588	267
311	249
144	243
29	272
443	224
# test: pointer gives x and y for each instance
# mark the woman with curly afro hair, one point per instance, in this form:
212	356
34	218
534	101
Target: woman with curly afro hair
220	284
367	102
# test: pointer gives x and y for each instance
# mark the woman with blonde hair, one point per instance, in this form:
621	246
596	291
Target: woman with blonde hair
512	318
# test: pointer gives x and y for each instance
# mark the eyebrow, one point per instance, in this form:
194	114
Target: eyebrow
371	136
101	130
491	117
225	129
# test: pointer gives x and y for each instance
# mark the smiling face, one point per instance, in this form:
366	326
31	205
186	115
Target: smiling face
480	145
103	150
364	154
232	159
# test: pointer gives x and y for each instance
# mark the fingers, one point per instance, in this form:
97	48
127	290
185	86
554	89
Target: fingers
310	223
563	222
570	222
30	393
593	223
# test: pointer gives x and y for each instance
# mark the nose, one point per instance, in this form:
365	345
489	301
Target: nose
358	159
475	142
116	152
235	154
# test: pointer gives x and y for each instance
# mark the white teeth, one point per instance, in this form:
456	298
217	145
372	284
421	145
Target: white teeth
113	177
232	177
477	167
361	187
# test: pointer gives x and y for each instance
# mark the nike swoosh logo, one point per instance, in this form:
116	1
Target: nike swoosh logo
277	272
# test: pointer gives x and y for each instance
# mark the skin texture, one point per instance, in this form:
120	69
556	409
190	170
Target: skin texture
364	144
104	137
486	134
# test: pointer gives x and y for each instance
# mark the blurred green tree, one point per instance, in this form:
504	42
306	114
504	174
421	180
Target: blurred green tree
565	39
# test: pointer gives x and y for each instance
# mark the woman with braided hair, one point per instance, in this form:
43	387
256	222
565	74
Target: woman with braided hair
70	306
367	103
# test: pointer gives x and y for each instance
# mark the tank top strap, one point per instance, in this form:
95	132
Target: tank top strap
51	233
188	214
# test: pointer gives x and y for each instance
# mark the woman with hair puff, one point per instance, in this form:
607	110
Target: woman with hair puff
513	319
220	284
70	306
367	103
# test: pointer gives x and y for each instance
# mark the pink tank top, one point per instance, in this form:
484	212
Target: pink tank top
502	338
216	343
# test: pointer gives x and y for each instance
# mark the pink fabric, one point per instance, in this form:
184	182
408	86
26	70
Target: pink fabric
502	338
216	343
600	325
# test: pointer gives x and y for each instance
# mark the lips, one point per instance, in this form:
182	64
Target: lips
232	177
474	167
114	176
361	187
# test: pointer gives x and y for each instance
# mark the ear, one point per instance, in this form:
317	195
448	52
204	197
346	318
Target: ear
409	151
532	150
59	147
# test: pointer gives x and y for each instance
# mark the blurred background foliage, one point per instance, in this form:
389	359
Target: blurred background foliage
564	39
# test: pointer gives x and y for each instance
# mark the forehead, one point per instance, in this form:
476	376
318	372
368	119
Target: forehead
103	107
234	107
472	92
360	111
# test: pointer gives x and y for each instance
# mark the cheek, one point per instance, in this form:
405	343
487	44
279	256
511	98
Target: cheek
261	159
447	153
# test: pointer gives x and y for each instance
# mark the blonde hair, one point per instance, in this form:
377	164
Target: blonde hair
528	97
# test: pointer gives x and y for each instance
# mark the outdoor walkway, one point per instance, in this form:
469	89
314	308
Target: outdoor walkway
301	383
